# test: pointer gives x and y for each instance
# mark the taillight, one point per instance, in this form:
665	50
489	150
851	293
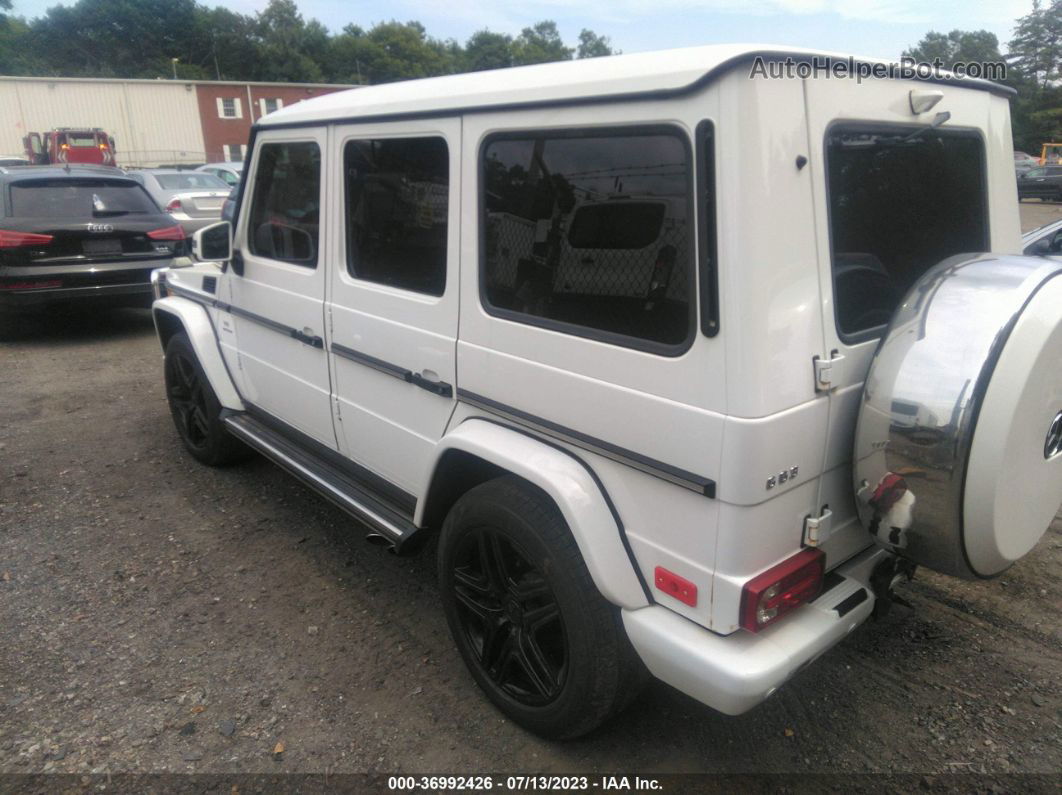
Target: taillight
793	582
11	239
173	206
167	232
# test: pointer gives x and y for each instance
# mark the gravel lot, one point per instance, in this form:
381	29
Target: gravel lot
158	616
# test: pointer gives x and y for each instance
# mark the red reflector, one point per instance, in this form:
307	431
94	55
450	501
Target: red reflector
31	285
173	206
678	587
167	233
12	239
793	582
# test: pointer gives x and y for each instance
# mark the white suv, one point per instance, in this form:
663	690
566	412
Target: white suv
682	367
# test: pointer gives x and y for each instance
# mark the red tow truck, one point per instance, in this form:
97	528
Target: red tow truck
70	145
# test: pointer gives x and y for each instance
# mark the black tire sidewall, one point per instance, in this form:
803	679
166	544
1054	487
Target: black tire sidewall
587	634
217	449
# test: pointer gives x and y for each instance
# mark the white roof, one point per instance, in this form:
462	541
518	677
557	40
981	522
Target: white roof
609	77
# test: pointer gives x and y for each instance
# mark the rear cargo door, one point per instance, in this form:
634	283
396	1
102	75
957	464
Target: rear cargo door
888	206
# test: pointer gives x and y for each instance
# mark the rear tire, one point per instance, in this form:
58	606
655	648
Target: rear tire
195	408
537	636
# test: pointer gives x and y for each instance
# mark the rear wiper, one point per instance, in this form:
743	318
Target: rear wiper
938	120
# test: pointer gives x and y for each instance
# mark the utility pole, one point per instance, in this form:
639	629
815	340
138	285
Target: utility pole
174	62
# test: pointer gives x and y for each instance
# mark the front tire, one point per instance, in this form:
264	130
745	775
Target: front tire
195	408
539	639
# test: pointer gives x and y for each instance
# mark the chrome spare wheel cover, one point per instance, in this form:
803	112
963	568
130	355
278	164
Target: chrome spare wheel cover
958	447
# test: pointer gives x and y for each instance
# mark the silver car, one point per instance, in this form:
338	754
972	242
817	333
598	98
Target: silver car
230	172
1043	242
193	198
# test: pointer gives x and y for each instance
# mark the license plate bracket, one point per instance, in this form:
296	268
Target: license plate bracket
96	247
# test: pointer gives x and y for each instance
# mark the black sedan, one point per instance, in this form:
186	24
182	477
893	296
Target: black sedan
80	233
1044	183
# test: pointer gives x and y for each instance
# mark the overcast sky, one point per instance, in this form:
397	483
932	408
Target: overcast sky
882	28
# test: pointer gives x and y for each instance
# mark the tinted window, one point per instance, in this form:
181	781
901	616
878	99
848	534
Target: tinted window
620	224
286	205
397	210
1036	172
190	182
898	207
66	198
589	233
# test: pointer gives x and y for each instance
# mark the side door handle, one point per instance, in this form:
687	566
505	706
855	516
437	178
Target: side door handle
429	380
308	337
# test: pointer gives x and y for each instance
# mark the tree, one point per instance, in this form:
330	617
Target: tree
540	43
488	50
1036	49
593	46
289	47
959	45
390	51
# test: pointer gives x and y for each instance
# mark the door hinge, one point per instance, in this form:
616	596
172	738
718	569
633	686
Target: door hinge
828	371
818	527
339	416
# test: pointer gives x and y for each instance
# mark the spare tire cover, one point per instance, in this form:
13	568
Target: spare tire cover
958	446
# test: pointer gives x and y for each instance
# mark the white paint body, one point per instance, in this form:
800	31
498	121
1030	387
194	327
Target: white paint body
736	407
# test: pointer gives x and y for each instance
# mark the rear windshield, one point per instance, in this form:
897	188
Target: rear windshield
78	139
621	225
81	198
898	206
199	181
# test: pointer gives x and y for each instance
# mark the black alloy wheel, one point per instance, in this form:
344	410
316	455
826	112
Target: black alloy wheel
195	408
510	617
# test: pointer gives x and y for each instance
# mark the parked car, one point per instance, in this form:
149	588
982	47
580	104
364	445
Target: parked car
7	162
80	232
1046	241
229	172
192	198
1042	182
1024	161
713	482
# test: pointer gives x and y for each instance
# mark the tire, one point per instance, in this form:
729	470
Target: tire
537	636
195	408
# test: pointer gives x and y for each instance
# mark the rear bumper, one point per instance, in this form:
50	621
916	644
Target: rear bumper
118	293
115	281
733	673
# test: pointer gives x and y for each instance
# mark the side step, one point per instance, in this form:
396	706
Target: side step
324	478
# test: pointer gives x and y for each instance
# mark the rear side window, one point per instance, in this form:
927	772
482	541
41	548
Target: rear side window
397	194
589	233
79	198
898	205
286	204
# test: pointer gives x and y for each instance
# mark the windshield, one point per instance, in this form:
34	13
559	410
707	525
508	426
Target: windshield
79	139
85	198
190	181
898	206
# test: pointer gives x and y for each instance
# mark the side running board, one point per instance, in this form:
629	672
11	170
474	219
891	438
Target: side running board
353	498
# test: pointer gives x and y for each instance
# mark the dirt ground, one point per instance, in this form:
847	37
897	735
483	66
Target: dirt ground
158	616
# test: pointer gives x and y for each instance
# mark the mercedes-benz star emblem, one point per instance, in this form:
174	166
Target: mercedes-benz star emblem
1053	445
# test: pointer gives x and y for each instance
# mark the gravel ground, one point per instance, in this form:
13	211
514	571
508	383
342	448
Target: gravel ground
158	616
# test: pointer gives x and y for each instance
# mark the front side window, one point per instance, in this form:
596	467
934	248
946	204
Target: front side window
286	204
590	234
898	204
397	193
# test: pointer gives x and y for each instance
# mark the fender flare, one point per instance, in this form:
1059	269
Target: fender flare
570	483
195	321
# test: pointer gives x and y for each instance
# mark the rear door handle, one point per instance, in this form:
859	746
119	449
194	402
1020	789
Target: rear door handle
429	380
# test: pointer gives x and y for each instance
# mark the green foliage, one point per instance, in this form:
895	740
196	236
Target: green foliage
959	45
540	43
593	46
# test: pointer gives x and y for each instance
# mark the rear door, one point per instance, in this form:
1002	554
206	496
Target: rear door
394	296
886	211
277	305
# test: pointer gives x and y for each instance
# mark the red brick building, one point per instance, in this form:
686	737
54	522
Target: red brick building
227	111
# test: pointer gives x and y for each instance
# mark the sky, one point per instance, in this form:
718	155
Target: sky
879	28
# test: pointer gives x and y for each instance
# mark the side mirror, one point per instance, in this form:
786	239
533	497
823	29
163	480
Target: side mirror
213	243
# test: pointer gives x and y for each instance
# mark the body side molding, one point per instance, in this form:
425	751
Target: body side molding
568	483
193	318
